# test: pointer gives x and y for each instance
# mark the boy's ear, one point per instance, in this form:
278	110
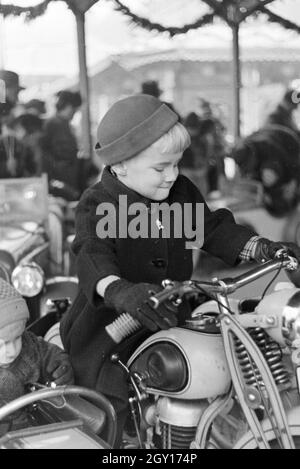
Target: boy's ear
120	169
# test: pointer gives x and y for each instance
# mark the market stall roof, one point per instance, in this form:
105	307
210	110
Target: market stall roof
133	60
130	61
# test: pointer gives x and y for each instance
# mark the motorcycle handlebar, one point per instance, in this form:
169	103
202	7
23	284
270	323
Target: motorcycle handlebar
226	285
125	325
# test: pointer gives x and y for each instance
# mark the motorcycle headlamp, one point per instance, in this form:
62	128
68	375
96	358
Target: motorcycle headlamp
284	305
28	279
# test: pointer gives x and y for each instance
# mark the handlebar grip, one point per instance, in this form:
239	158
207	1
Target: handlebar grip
126	325
122	327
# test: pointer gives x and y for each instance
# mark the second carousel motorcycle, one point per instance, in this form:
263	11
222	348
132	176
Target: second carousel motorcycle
31	244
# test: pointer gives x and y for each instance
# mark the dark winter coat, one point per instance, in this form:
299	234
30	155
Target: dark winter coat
282	115
59	151
137	260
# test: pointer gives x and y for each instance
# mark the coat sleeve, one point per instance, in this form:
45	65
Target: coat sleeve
96	257
223	237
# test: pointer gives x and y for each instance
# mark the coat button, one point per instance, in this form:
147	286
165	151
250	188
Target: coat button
159	263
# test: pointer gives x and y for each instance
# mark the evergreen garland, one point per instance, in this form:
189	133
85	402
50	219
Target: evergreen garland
30	13
172	30
221	9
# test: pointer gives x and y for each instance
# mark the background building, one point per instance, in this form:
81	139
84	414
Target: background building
184	74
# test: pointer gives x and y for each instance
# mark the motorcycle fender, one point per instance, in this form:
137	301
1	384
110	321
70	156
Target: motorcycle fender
248	441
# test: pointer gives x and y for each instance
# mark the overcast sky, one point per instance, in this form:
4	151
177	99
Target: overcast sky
47	45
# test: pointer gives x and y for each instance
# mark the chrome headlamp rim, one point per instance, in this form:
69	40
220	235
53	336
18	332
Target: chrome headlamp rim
38	282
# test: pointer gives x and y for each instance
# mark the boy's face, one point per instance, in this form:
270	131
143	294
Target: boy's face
152	174
11	342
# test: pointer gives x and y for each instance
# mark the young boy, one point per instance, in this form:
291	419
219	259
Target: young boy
141	143
24	358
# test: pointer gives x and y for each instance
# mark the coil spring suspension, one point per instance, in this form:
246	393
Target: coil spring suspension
272	353
174	437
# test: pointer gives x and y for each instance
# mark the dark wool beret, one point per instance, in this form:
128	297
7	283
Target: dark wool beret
131	125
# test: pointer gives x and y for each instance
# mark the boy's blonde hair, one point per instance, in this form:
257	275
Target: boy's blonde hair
176	140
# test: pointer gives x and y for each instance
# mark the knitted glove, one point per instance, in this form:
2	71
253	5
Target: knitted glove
266	249
133	298
60	371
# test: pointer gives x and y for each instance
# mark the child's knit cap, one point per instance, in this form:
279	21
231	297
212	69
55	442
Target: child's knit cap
13	307
131	125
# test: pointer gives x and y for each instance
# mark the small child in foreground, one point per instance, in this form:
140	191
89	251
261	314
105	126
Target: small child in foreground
24	358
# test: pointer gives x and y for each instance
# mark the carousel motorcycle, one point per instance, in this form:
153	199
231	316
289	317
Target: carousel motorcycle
228	378
31	247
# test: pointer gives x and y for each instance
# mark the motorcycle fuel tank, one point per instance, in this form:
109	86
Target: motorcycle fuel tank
182	363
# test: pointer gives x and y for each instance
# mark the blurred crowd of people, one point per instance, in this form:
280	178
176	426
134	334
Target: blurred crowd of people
32	142
271	156
209	147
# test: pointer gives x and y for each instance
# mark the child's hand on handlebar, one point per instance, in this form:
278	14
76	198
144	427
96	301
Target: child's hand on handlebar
266	250
133	298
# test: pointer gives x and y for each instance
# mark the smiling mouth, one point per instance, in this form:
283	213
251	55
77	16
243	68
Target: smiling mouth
6	365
